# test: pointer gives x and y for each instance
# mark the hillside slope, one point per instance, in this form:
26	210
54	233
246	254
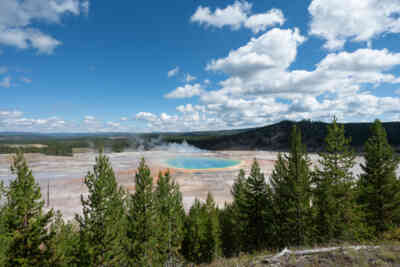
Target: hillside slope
382	255
276	136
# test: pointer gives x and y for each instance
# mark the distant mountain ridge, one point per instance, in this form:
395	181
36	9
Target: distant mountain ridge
276	136
271	137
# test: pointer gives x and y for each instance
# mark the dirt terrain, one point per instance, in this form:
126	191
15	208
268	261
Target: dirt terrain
359	255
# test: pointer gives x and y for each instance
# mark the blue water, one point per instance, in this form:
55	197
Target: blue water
201	163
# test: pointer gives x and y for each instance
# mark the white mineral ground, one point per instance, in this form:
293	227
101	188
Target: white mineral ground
65	174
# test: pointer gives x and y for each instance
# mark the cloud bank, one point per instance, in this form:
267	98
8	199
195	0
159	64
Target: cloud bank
358	21
18	20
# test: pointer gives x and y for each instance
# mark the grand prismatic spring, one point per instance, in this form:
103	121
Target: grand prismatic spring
198	163
64	175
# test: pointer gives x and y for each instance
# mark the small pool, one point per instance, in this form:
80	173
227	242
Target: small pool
197	163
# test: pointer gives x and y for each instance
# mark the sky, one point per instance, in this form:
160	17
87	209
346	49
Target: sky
192	65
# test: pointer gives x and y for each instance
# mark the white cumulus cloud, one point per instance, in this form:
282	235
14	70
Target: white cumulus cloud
276	48
89	119
173	72
189	78
236	16
5	114
186	91
147	116
260	22
356	20
18	20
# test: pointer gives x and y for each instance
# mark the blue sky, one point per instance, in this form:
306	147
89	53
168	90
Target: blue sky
139	66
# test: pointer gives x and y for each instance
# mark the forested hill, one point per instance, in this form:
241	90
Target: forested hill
272	137
276	136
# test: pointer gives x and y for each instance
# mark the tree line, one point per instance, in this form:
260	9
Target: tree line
299	205
65	147
50	147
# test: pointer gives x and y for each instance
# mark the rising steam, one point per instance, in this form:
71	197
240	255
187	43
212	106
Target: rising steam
184	147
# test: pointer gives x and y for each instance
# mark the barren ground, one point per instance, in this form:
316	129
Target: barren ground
65	174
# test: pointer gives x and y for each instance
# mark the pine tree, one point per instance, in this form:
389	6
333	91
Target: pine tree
4	237
170	213
280	194
65	242
252	210
101	226
141	245
212	246
195	233
338	216
379	188
230	235
25	222
202	243
291	186
258	211
239	213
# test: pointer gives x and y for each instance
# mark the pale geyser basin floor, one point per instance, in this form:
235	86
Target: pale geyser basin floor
65	174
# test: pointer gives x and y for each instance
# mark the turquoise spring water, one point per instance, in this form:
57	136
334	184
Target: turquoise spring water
201	163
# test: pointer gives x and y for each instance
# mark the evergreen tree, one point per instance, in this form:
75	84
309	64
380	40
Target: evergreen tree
238	210
279	183
202	243
337	214
291	186
65	242
230	235
141	245
252	211
4	237
170	213
378	186
25	222
195	233
212	244
101	226
258	210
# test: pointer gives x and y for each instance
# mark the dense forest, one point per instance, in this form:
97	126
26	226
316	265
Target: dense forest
56	148
276	137
297	206
63	147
